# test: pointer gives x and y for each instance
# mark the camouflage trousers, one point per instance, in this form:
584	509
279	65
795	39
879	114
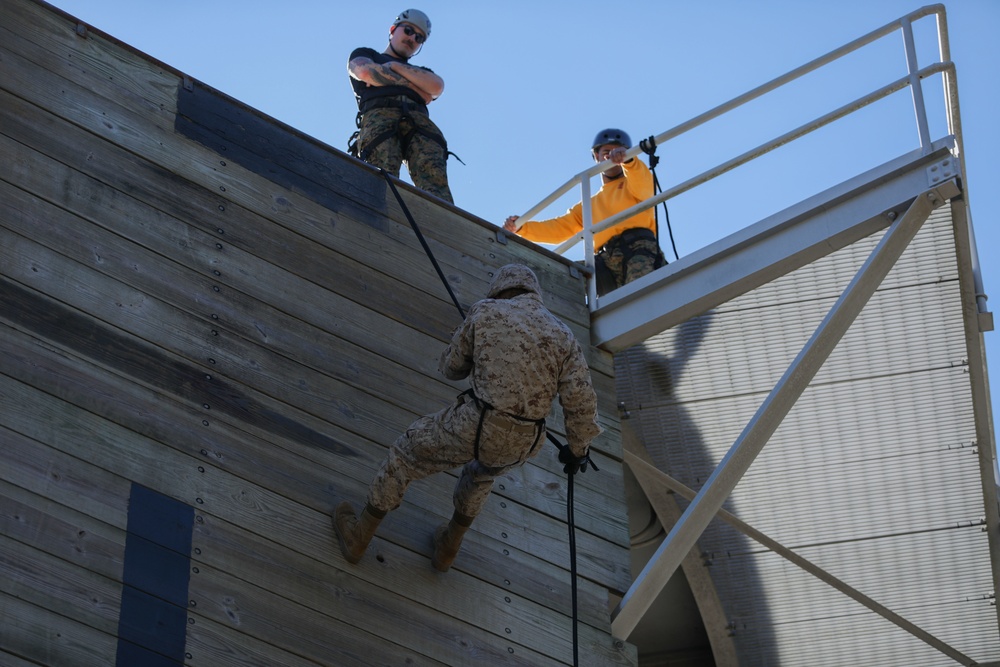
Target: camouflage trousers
620	261
446	440
405	138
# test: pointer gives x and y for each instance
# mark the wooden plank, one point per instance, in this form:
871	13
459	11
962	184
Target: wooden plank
10	660
67	587
309	484
209	295
250	319
396	296
103	497
389	632
62	587
27	214
164	332
514	621
304	583
237	314
546	537
207	170
185	380
123	171
139	252
57	564
541	539
296	577
66	533
42	637
176	218
149	84
211	644
478	555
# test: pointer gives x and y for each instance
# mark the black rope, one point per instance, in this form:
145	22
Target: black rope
423	241
570	520
649	146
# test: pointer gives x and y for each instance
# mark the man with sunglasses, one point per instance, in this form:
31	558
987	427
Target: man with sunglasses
392	95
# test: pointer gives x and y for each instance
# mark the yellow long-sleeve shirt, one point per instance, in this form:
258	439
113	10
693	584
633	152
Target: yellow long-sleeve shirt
613	197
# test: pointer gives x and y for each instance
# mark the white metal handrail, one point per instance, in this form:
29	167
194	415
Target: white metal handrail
764	148
912	79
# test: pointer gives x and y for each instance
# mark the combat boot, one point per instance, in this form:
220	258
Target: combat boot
448	540
353	533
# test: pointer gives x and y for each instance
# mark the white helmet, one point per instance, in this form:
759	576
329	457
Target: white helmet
414	17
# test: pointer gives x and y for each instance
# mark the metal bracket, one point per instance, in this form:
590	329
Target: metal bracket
941	171
81	30
574	272
501	237
187	83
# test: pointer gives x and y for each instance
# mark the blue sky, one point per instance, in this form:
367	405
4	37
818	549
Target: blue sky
528	84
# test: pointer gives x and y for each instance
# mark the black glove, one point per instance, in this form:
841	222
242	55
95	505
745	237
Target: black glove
573	463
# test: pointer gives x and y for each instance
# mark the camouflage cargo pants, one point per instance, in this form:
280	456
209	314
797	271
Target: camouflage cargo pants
446	440
619	263
406	141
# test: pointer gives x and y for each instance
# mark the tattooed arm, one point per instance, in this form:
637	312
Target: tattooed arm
424	82
420	78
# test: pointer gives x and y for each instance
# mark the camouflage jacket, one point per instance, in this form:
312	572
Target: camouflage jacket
519	357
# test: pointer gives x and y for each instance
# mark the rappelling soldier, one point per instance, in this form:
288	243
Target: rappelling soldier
518	357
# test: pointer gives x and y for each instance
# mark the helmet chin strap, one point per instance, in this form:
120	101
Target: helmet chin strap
397	53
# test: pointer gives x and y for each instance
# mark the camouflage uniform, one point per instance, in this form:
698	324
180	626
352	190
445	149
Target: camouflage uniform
394	127
405	138
627	259
518	357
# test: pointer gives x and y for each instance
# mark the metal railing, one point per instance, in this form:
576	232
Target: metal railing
912	80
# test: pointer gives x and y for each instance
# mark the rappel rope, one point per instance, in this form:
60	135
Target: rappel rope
423	241
569	490
649	146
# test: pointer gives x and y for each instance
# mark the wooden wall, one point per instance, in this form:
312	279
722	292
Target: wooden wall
211	328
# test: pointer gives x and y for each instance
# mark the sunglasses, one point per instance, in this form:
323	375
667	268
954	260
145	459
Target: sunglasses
417	37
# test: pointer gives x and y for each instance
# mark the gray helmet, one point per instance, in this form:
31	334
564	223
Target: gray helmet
514	276
414	17
611	136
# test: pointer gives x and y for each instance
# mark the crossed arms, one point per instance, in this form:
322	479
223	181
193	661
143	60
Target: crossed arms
424	82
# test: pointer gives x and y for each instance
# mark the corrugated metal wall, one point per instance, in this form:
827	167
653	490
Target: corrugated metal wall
873	475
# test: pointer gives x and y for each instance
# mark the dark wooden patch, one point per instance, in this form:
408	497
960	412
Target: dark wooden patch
258	144
88	337
153	622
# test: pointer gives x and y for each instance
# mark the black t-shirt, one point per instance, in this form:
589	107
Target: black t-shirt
363	92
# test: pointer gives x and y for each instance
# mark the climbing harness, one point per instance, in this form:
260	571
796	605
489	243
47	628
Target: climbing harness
563	449
407	106
624	243
649	147
487	413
